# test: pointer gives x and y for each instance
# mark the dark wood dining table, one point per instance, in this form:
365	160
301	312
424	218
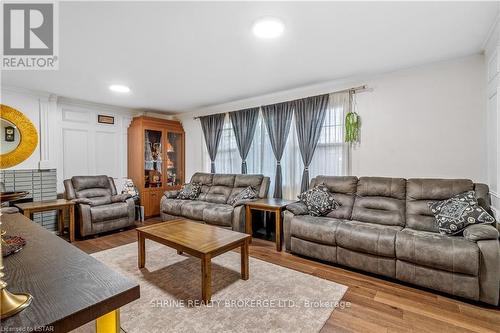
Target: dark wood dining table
69	287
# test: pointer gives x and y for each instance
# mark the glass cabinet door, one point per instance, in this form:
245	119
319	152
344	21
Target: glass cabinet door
173	167
153	162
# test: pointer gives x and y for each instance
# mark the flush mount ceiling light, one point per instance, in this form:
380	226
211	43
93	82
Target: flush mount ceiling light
268	27
119	88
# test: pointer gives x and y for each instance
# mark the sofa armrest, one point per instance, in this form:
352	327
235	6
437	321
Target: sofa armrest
243	202
120	197
171	194
479	232
82	201
131	209
489	271
83	219
298	208
287	225
96	201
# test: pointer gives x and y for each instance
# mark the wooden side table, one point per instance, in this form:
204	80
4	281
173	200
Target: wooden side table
267	205
28	208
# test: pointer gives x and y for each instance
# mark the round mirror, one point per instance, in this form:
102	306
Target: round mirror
18	137
9	136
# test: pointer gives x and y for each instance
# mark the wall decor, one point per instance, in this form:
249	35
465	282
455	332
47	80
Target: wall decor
103	119
10	135
25	137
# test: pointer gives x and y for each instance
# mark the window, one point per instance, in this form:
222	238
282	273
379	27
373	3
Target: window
330	158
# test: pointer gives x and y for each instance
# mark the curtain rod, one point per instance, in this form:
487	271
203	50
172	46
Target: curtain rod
353	90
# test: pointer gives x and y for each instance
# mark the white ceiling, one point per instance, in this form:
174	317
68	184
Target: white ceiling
180	56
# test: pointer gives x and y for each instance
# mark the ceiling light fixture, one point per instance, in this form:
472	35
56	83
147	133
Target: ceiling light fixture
119	88
268	27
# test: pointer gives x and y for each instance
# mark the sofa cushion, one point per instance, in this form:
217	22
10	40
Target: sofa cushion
483	197
109	212
367	238
202	178
430	249
223	180
315	229
344	191
455	214
194	209
420	191
380	200
85	182
254	181
218	194
218	214
173	206
319	200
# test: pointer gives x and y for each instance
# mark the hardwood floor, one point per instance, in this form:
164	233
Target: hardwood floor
376	304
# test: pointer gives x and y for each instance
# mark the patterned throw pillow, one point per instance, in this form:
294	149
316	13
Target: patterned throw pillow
189	191
319	200
458	212
247	193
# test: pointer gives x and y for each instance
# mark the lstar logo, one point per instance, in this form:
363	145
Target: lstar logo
29	36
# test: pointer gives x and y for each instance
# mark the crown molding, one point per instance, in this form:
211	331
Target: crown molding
66	101
491	33
25	91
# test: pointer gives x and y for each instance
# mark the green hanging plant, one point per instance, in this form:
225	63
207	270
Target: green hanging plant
352	123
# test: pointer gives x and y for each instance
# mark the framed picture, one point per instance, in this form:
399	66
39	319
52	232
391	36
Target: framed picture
105	119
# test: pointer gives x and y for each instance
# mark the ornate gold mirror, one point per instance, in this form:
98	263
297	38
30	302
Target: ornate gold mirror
18	137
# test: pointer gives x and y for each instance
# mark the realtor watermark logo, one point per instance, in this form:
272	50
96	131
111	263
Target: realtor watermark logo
30	36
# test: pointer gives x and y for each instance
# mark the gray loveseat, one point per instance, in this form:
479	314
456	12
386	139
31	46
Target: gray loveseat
211	205
98	206
385	226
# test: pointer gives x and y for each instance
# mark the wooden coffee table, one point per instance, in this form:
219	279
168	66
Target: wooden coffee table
199	240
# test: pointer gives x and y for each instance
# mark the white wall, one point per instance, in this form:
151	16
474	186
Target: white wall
421	122
70	138
492	79
425	122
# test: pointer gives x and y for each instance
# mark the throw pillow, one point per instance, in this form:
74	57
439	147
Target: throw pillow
319	200
246	194
189	191
458	212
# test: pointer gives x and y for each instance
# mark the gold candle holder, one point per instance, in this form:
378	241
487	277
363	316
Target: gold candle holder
10	303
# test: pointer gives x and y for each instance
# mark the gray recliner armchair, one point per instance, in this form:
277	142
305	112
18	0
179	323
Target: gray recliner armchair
98	206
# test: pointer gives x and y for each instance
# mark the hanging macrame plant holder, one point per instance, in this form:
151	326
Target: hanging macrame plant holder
352	121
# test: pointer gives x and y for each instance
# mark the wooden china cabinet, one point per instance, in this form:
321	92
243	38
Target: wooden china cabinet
155	159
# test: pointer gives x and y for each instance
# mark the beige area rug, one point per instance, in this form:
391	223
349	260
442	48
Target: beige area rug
274	299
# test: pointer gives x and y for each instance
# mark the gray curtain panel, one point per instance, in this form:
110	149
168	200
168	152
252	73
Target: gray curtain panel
310	114
212	130
278	118
244	123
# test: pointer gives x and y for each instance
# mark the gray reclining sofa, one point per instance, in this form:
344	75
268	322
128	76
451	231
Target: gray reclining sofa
211	205
385	226
98	206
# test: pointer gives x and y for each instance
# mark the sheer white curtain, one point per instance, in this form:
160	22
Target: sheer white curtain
330	158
